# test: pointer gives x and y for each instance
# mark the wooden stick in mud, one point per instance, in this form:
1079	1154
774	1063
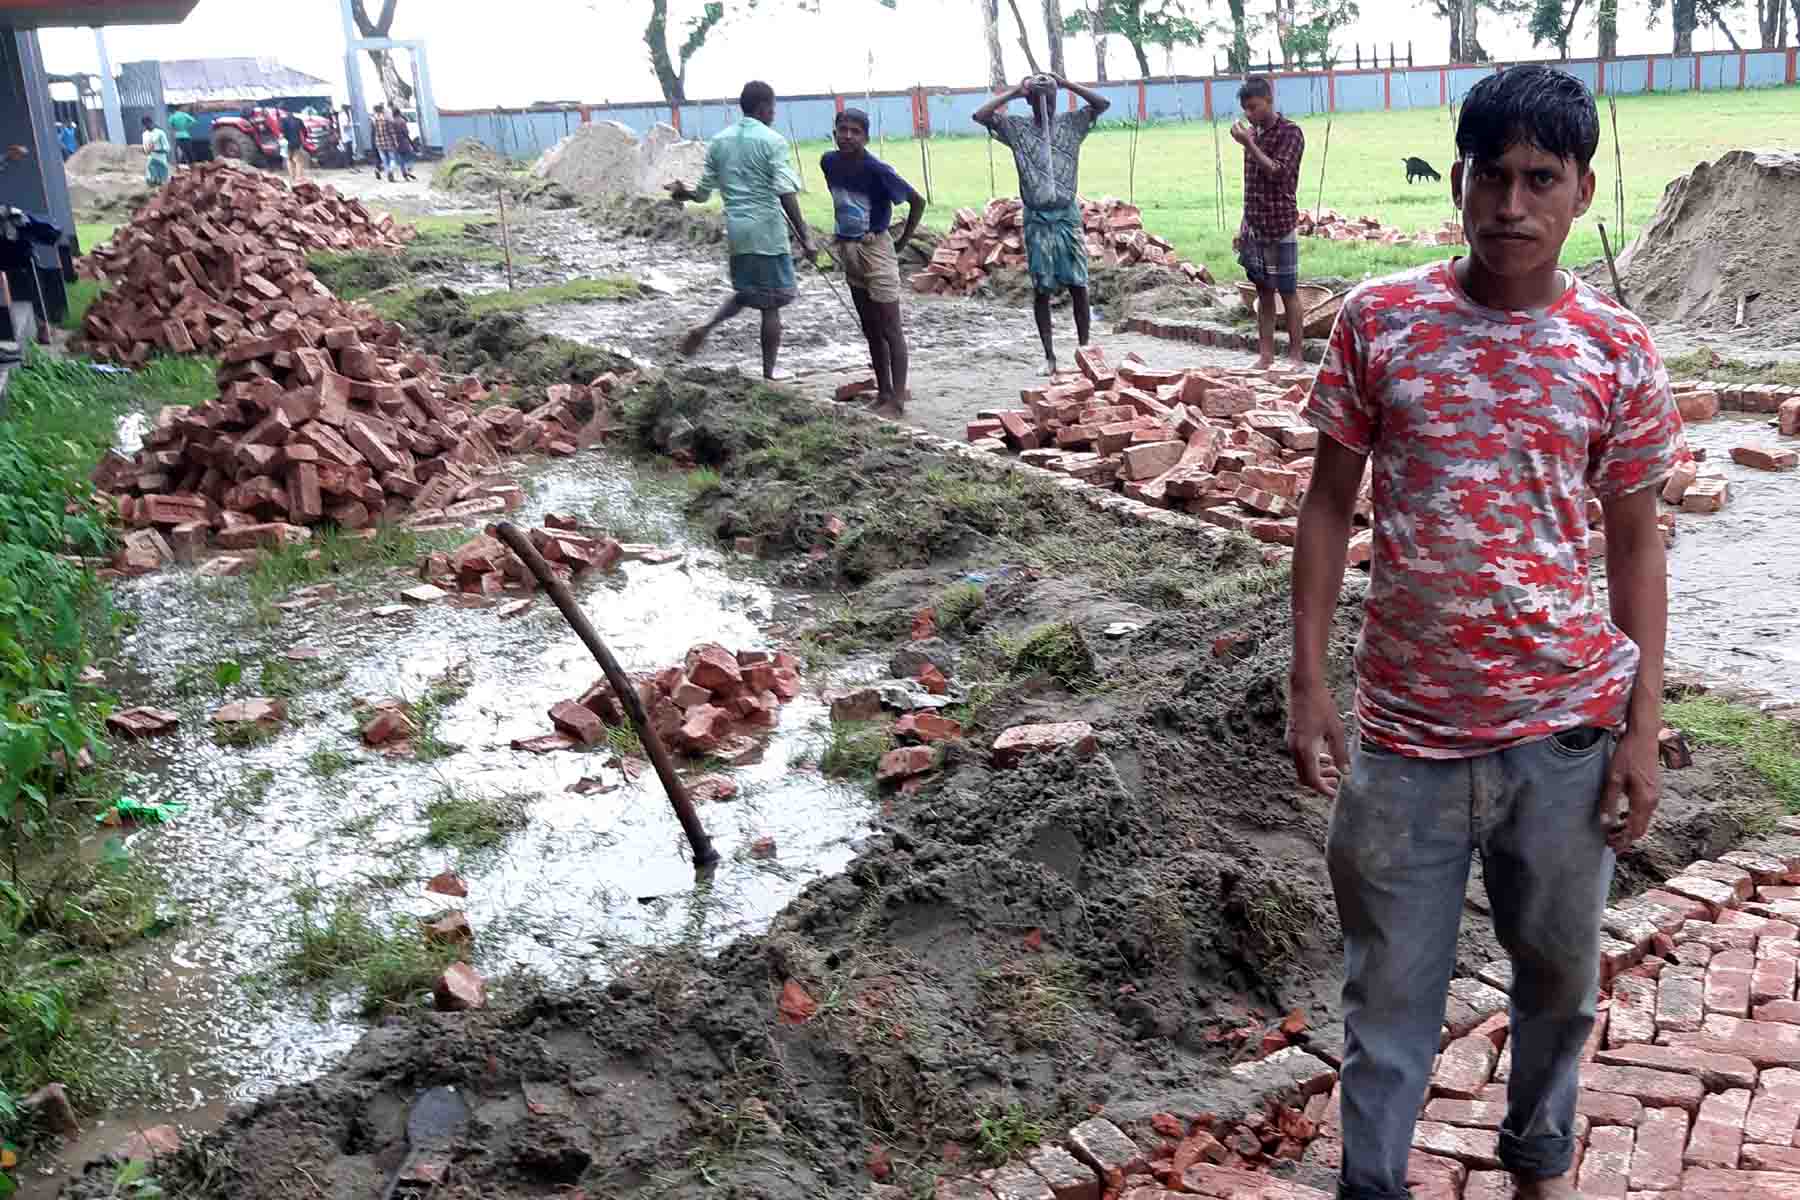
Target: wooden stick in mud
506	237
704	853
1131	196
1218	176
1618	169
1612	267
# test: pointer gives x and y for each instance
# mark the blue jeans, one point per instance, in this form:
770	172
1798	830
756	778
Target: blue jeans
1402	834
390	163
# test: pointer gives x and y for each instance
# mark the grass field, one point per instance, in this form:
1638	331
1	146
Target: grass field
1660	137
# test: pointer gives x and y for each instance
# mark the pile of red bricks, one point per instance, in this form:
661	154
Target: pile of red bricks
713	703
484	566
1227	447
1337	227
218	255
979	242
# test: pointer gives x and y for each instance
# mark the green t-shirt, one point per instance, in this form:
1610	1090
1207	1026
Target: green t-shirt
182	123
748	163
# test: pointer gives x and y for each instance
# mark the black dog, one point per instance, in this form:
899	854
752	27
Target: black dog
1418	168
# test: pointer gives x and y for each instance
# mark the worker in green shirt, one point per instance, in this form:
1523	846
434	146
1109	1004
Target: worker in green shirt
181	124
750	166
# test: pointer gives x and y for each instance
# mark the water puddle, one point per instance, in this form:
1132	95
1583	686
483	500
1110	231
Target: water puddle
1733	575
589	879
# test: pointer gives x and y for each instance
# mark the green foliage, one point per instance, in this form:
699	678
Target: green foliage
392	964
1002	1133
1056	649
1770	745
956	604
855	747
1164	24
472	820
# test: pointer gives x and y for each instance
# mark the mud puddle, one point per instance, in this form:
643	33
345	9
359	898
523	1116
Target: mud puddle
312	819
1732	575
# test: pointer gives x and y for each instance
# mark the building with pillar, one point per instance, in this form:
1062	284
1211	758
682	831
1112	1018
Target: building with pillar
31	164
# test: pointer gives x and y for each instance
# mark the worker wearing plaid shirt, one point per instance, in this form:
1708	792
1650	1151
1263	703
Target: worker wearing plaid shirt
387	146
1267	243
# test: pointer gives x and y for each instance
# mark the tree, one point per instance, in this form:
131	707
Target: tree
1553	21
1142	23
990	25
1053	33
1024	41
398	92
1306	34
1689	15
1238	58
1771	23
1464	19
1606	22
671	68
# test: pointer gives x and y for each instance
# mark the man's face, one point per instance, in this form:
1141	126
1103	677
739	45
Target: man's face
850	137
1258	111
1517	209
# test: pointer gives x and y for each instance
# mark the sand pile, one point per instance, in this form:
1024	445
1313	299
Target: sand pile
1730	230
604	160
104	177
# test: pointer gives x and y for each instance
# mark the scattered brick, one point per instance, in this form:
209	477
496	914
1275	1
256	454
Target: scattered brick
1656	1089
459	989
1661	1140
1718	1131
1716	1071
142	721
1464	1068
1104	1147
1765	458
1606	1163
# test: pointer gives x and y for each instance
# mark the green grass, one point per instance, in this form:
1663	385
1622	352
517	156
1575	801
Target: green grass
393	965
398	304
1770	745
956	604
1705	364
1057	650
94	233
855	747
326	761
286	567
82	294
1661	136
471	820
1002	1133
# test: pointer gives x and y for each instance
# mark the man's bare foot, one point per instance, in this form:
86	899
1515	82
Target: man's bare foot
777	375
691	341
1265	361
888	408
1299	363
1560	1188
1050	366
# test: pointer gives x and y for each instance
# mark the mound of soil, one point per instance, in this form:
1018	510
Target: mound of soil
502	347
472	168
1727	231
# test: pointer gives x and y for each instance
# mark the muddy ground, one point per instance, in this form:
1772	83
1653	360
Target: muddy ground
1070	934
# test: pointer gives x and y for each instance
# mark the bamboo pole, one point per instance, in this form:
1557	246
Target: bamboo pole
506	237
1324	156
1618	173
1132	182
705	855
1218	175
1612	267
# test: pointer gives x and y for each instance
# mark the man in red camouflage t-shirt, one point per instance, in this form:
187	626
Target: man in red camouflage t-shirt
1500	709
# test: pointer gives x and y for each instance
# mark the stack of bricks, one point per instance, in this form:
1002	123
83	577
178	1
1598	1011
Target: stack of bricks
979	242
1228	447
1329	223
218	255
714	703
1700	400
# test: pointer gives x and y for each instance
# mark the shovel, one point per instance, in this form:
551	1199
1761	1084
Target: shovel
437	1116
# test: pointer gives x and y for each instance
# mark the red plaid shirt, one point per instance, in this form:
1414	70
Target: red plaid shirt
1270	207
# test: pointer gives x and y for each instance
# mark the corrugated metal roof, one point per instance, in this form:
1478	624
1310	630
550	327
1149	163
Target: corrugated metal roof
196	80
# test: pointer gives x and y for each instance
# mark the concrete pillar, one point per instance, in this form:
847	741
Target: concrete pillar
359	107
109	92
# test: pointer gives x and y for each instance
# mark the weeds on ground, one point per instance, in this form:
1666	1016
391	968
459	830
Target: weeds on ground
1037	996
1770	745
957	604
401	304
427	711
472	820
701	482
326	761
1056	649
243	735
625	740
1275	919
1002	1133
853	748
335	552
1706	364
391	963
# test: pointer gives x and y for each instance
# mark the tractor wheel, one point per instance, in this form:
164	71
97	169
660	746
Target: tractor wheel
229	143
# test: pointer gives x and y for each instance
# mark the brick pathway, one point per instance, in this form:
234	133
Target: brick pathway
1690	1081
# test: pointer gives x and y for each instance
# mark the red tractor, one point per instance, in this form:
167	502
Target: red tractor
254	136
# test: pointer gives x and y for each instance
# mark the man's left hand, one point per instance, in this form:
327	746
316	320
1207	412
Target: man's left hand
1241	132
1634	780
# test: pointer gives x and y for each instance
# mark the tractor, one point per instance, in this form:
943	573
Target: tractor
254	136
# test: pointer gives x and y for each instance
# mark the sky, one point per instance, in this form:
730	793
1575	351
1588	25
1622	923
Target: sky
593	50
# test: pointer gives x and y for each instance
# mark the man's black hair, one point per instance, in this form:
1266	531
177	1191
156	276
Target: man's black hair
1534	104
756	93
1254	86
855	116
149	124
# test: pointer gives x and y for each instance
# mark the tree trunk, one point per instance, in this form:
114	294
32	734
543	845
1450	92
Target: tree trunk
656	37
1455	15
1024	42
1053	30
1471	39
1609	29
990	22
1100	57
1726	30
397	90
1239	59
1137	48
1683	19
1562	43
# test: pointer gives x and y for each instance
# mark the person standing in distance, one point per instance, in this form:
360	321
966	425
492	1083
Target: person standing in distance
1268	240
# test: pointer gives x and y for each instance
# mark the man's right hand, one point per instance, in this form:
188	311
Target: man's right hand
1315	738
677	190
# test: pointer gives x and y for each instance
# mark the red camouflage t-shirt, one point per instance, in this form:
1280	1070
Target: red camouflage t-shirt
1486	432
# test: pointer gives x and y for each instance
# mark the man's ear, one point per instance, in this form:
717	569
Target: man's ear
1586	185
1456	182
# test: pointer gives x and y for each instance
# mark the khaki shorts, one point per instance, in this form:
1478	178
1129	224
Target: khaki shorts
872	266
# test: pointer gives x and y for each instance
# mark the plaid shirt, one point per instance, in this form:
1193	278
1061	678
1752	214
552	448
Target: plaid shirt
1270	207
384	134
